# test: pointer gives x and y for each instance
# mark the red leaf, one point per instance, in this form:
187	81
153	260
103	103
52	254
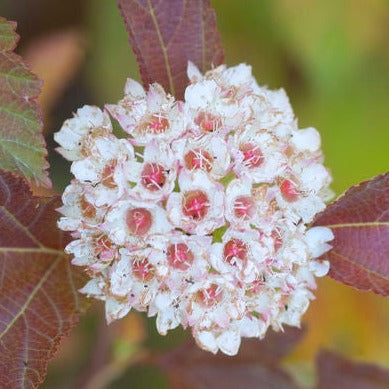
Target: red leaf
336	372
39	302
22	147
359	220
164	35
256	366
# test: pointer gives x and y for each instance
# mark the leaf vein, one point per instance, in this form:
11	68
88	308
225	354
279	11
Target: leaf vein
359	265
357	225
163	47
31	297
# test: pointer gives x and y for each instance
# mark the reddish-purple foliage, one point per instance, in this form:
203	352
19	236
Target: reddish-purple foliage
165	35
256	366
39	302
336	372
359	220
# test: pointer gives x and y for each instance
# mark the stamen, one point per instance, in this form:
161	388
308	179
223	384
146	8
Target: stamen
195	204
211	296
139	221
198	159
208	122
142	269
245	207
159	124
179	256
252	155
153	177
235	250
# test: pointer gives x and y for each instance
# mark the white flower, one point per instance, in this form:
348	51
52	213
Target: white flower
199	207
242	207
78	213
131	222
168	318
185	257
147	116
88	123
199	217
134	278
306	139
279	110
95	252
240	255
210	114
258	155
227	341
213	304
297	304
154	178
208	153
221	100
297	205
317	238
104	170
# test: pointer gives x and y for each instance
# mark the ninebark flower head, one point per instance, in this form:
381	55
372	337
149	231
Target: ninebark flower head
200	216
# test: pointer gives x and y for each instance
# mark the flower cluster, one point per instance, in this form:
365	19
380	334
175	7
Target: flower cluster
199	216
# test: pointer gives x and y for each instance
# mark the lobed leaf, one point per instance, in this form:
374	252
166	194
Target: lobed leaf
8	38
164	35
359	220
22	147
39	302
256	366
336	372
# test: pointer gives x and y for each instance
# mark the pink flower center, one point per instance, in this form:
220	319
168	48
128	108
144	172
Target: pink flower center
208	122
252	155
142	269
179	256
289	191
235	250
211	296
245	207
158	125
139	221
195	204
153	177
198	159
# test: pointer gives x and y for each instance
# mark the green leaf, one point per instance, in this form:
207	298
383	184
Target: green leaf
22	147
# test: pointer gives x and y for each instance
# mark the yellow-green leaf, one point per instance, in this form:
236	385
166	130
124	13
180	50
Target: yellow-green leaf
22	147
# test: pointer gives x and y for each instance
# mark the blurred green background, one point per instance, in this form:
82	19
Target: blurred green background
332	57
